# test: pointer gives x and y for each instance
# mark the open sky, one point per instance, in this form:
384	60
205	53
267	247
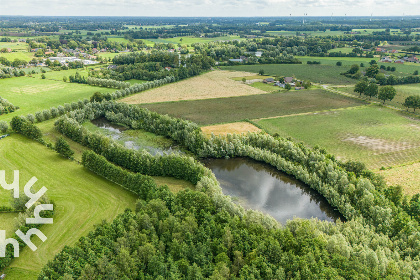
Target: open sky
206	8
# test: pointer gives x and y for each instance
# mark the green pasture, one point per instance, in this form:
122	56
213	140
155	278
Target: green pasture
232	109
403	91
15	46
373	134
342	50
311	33
35	94
188	40
82	199
118	39
27	56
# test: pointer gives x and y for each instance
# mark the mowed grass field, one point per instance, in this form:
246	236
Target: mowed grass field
323	74
35	94
403	91
226	110
214	84
82	200
372	134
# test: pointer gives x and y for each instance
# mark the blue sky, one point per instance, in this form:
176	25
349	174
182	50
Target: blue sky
208	8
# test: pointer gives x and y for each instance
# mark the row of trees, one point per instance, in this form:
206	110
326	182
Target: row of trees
372	90
109	83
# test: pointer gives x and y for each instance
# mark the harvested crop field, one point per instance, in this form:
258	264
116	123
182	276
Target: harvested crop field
234	109
214	84
223	129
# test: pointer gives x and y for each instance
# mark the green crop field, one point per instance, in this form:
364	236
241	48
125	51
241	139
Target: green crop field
34	94
224	110
81	198
312	33
372	134
188	40
325	74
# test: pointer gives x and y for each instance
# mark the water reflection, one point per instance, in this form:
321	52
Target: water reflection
259	186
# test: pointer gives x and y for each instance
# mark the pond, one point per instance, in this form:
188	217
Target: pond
136	139
258	186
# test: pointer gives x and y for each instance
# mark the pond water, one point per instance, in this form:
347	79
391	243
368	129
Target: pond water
259	186
120	134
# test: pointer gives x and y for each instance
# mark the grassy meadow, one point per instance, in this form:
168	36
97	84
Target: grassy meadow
232	109
35	94
403	91
372	134
82	200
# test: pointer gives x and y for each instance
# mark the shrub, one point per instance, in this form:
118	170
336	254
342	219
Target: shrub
63	148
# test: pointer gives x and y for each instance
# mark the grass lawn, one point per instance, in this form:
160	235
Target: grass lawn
82	199
265	87
371	134
34	94
325	74
224	110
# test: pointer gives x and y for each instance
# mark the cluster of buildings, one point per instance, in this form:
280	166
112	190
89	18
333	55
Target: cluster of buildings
412	59
386	51
66	60
287	80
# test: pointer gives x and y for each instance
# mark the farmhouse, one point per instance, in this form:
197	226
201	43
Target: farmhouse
411	59
278	84
268	80
386	59
288	80
400	61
